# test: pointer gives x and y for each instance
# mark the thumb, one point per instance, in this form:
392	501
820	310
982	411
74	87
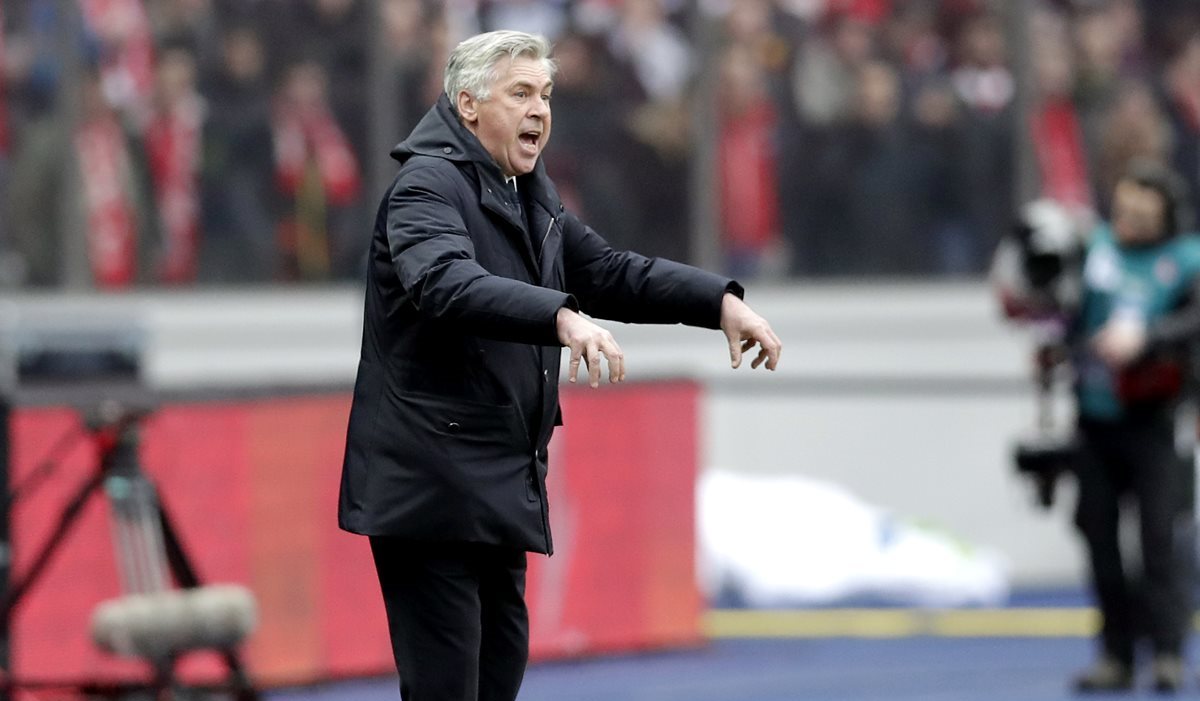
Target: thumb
735	352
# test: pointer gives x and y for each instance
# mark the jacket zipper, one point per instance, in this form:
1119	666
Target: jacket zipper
548	230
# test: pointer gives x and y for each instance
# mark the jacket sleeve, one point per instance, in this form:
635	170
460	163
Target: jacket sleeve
626	286
434	258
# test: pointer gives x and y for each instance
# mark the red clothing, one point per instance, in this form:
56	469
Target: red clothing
315	168
749	181
869	11
111	220
1061	160
173	150
314	137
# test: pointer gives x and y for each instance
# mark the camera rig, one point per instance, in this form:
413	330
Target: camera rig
1037	274
164	610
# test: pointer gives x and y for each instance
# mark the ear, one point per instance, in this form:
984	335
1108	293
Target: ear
468	107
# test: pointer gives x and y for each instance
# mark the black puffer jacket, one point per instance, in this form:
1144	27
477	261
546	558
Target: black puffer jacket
457	389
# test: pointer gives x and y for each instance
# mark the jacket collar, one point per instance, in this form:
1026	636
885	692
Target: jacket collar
441	134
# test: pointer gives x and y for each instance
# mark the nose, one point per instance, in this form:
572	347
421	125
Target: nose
540	107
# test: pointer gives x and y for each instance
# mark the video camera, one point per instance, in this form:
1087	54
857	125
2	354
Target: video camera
1037	272
1038	268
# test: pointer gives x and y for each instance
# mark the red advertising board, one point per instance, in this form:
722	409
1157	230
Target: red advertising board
252	487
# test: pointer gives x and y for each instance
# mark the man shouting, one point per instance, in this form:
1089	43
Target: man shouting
477	279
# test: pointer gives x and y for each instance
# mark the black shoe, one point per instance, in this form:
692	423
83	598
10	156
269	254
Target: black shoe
1167	672
1108	674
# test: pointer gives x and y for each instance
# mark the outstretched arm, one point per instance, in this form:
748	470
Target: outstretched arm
628	287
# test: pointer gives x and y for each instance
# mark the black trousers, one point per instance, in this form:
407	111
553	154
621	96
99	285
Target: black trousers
457	617
1137	458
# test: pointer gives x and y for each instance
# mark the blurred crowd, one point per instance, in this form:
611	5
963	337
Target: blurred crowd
183	142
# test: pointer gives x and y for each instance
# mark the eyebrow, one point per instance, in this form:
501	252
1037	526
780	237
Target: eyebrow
528	85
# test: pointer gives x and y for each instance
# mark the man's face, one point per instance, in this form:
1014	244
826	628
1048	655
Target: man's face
1138	214
513	124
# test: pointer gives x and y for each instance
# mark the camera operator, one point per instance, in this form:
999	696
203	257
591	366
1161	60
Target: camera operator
1130	346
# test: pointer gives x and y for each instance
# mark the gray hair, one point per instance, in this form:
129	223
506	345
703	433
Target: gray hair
472	64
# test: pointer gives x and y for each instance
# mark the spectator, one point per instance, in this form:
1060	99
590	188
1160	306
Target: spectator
940	181
861	206
592	148
124	45
654	49
333	35
173	153
633	94
828	66
1130	342
748	168
1181	88
40	146
113	221
912	43
982	77
315	171
1133	129
239	243
1097	38
656	57
190	23
883	236
1055	125
1104	43
416	37
985	86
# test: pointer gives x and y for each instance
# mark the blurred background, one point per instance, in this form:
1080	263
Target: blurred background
189	185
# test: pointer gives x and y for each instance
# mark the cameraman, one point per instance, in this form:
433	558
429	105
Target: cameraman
1131	341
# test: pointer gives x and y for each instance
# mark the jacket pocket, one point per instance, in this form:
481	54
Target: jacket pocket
466	447
461	419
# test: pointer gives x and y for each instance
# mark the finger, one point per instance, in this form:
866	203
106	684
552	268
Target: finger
774	350
573	370
772	346
621	363
735	353
593	363
616	363
763	354
747	344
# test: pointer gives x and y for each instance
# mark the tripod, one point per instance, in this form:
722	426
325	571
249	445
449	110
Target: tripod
147	544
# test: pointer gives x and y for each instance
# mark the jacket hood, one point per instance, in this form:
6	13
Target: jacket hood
440	134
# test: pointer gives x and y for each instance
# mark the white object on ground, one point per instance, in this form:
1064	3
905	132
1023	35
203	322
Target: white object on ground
793	541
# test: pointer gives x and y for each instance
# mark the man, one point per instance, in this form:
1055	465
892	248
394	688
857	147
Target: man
1139	315
477	279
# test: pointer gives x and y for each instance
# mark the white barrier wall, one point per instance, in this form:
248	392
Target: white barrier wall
909	395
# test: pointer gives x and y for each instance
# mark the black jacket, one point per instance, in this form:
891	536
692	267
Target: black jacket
457	388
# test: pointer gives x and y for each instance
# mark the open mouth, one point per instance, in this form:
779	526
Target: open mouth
529	139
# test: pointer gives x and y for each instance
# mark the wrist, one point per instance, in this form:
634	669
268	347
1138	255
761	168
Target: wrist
562	321
729	304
